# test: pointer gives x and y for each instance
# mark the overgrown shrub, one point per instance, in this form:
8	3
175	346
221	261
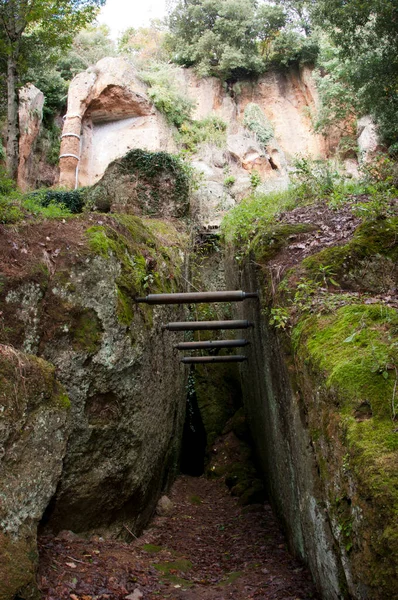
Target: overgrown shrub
253	214
256	121
72	200
165	95
211	130
315	178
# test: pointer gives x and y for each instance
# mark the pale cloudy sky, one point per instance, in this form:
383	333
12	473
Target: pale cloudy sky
120	14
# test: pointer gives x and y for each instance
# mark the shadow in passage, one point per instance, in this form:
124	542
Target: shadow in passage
193	447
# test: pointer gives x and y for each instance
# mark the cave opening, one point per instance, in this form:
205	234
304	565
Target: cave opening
193	446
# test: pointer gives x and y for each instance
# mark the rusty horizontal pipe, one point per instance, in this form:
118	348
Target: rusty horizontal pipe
196	297
201	325
211	344
213	359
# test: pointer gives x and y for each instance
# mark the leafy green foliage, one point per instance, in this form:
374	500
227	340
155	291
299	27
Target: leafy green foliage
218	37
315	178
231	39
256	121
279	317
298	13
269	20
14	205
229	181
71	200
255	180
193	133
144	44
366	36
165	94
291	47
50	210
339	103
253	215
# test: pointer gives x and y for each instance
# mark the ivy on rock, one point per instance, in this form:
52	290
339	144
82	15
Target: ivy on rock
144	183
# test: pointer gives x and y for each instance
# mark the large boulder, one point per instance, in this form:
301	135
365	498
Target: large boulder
68	296
143	183
33	435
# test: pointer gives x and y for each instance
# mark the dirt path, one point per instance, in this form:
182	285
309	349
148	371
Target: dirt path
206	548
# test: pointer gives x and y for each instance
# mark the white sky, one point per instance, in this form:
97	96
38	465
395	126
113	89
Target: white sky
121	14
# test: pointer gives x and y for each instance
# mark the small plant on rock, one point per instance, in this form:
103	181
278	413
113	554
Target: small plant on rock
255	180
229	181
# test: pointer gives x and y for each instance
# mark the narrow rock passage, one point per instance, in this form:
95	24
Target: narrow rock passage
206	548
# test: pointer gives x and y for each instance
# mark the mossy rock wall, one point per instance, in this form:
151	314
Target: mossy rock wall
34	432
321	403
69	298
143	183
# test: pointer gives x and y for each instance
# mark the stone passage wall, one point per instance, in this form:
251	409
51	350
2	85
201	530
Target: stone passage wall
67	296
33	436
284	448
321	404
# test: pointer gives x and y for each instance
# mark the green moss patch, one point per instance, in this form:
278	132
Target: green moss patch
152	548
27	381
353	353
168	568
357	348
231	578
171	571
268	243
80	327
148	265
375	240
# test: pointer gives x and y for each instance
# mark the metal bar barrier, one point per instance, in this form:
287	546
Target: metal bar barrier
211	344
213	359
201	325
196	297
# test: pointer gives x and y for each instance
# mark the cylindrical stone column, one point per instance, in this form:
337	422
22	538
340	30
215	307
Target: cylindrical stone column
70	151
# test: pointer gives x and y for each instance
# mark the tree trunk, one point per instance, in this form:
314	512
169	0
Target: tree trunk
12	149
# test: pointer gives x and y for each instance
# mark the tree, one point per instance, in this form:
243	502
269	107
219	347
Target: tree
145	43
298	13
222	37
270	20
366	35
51	22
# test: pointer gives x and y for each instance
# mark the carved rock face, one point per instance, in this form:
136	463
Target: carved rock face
31	101
124	383
108	114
